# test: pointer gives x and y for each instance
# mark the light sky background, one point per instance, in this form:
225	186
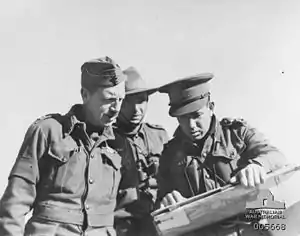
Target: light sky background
246	44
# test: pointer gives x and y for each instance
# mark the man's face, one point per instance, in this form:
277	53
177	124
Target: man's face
134	108
103	105
196	124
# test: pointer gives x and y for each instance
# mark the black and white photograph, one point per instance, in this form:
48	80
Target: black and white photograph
150	118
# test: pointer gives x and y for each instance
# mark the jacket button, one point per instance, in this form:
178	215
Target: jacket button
204	154
91	181
92	156
87	207
64	159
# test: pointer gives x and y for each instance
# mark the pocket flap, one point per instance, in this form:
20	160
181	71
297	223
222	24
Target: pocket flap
112	156
60	156
227	153
60	152
63	149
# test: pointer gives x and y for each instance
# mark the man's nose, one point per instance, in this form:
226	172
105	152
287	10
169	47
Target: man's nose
136	108
116	106
192	123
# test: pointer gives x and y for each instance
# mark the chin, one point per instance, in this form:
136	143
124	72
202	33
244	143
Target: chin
135	122
198	137
109	122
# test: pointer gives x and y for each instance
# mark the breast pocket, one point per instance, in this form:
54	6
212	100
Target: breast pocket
224	163
111	173
66	169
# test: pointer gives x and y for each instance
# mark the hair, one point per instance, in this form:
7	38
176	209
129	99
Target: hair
90	89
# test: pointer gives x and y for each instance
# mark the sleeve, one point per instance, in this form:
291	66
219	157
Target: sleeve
260	151
164	178
148	194
20	192
129	173
128	187
155	138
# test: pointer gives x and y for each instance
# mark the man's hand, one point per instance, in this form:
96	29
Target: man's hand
126	196
172	198
251	176
122	214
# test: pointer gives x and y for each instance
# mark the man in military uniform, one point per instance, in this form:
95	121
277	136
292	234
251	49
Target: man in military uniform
68	168
206	153
147	140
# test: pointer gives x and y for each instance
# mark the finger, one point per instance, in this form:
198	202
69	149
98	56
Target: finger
263	175
121	213
164	202
256	175
170	199
177	196
233	180
243	178
250	176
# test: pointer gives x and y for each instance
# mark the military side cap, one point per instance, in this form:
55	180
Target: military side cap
101	72
188	94
135	83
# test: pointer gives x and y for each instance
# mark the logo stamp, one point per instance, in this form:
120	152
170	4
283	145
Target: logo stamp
264	209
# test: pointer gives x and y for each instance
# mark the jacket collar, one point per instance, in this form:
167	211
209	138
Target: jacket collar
76	117
139	130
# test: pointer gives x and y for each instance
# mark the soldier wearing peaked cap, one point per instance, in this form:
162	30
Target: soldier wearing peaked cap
68	168
206	153
147	141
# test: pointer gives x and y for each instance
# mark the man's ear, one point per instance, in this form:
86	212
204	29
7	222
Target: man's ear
211	106
84	94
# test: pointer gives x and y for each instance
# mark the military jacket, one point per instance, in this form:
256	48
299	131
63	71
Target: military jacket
147	145
230	145
148	142
64	175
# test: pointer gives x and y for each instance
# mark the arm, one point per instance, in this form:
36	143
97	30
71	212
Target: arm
258	158
20	192
150	184
164	178
129	181
167	195
260	151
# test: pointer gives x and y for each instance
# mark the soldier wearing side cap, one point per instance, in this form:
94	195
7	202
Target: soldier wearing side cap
147	141
206	153
68	168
